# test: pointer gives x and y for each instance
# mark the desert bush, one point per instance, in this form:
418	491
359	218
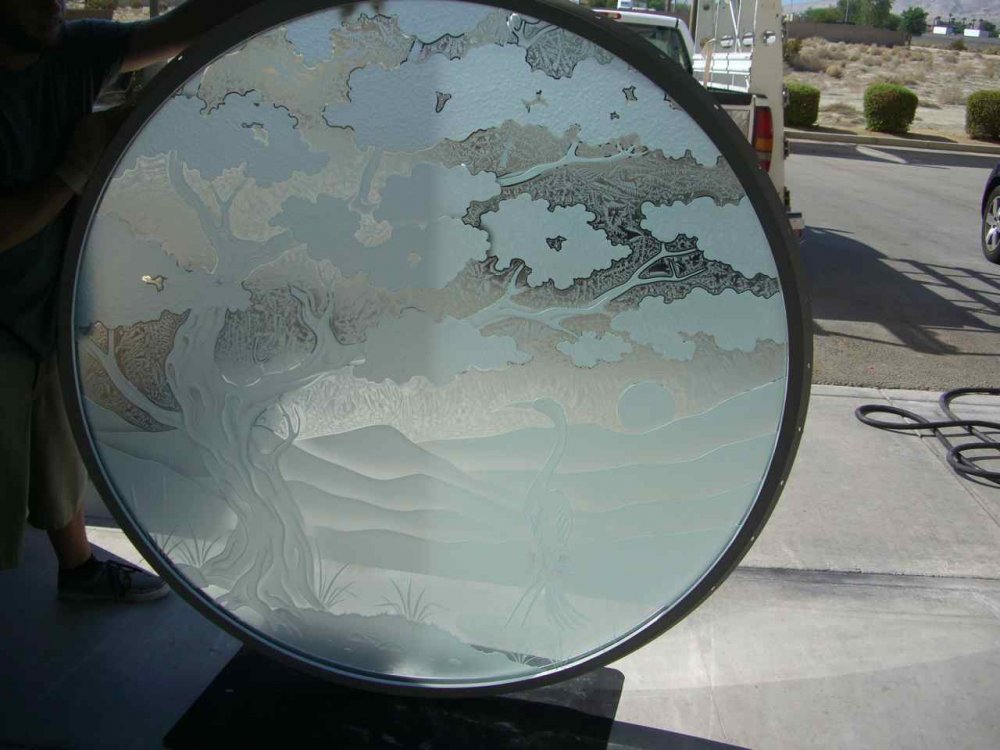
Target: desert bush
100	4
790	50
836	51
982	115
889	108
835	71
991	68
951	94
811	62
803	104
854	56
958	44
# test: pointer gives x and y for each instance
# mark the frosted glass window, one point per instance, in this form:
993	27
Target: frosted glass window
434	346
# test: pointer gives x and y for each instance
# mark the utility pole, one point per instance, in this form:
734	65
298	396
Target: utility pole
154	8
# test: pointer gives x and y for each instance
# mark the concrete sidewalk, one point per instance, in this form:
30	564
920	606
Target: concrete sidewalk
866	616
887	139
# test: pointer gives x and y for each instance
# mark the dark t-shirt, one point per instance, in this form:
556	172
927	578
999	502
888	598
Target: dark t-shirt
39	108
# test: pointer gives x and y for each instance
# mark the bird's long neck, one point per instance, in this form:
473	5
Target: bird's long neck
543	477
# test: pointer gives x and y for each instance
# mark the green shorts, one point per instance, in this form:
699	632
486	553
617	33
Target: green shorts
42	478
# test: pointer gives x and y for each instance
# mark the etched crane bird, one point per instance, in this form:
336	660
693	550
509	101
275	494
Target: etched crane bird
550	518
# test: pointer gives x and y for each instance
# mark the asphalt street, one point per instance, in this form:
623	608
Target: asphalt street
902	296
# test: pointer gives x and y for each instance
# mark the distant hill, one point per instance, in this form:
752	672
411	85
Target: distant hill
970	9
988	9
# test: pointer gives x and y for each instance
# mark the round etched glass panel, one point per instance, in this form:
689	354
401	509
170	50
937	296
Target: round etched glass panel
433	345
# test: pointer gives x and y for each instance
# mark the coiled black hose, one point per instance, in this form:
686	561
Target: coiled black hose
957	459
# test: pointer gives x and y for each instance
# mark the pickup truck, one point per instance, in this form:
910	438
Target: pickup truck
739	62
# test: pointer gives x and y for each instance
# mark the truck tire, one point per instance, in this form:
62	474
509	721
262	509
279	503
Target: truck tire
990	232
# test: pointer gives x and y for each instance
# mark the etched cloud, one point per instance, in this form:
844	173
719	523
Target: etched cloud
413	344
730	234
735	321
240	131
590	349
522	228
418	256
432	191
311	38
430	21
395	109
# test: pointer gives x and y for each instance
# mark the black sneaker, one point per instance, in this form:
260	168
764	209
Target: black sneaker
112	581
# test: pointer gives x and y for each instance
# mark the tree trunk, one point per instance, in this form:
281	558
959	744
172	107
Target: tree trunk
268	560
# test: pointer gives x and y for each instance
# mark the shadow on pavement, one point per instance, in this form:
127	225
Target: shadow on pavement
851	281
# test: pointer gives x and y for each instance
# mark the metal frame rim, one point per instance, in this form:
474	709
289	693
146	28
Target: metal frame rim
683	89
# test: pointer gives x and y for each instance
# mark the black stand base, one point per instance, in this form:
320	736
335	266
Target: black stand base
256	702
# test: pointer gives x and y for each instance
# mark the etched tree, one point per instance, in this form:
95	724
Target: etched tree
287	342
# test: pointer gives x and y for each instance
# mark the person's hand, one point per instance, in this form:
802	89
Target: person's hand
92	135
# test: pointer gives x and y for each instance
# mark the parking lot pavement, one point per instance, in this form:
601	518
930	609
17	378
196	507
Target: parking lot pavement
867	615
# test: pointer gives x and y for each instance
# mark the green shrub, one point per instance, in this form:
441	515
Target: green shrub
889	108
958	44
982	115
803	105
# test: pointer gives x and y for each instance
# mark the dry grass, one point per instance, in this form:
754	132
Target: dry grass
951	95
967	68
841	108
942	79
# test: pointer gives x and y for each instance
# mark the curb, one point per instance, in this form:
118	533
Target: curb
875	140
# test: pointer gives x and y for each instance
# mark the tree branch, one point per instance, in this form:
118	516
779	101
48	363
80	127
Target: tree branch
136	397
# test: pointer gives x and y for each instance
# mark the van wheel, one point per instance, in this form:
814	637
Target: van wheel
991	227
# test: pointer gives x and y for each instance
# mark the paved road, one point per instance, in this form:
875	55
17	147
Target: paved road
902	296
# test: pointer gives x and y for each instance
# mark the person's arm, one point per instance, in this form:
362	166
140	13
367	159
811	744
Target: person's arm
25	212
162	38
